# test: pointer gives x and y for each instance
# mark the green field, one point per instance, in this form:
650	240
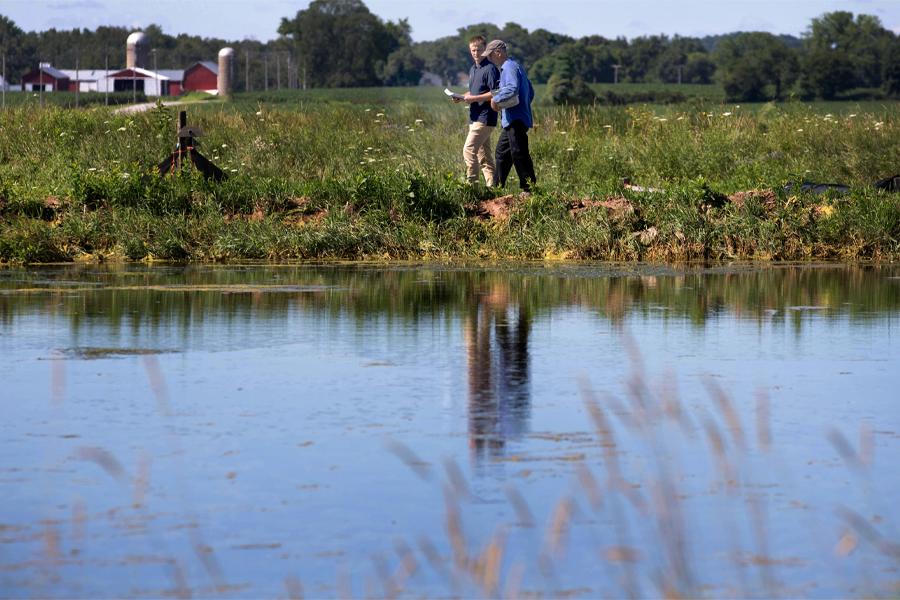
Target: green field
377	173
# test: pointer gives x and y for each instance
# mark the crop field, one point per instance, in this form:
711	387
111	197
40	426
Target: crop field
378	173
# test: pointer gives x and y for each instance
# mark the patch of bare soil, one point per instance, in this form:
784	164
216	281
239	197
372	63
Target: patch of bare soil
765	197
494	208
303	212
616	206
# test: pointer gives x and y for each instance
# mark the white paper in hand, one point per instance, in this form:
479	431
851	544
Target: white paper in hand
453	94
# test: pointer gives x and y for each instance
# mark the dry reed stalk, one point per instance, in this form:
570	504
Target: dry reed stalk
207	556
410	459
141	481
513	588
845	449
457	479
589	485
866	445
104	459
182	589
486	567
389	587
723	403
763	420
57	381
558	527
867	531
157	384
408	563
717	444
523	512
294	588
454	529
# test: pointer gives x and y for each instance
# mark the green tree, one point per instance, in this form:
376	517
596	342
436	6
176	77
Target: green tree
341	42
841	53
891	69
699	68
755	66
403	67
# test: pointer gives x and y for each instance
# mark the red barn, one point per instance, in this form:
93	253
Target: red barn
201	76
46	79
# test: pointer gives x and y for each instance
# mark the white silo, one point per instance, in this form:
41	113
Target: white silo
226	58
137	50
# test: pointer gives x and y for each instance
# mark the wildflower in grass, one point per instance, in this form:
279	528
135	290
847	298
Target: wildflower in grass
379	114
224	145
851	116
122	129
607	127
726	114
800	130
570	149
368	110
419	121
563	133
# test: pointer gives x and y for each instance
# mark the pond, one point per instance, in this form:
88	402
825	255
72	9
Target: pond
449	430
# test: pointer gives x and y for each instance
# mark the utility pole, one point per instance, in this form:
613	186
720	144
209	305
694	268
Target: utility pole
680	69
246	70
41	82
106	80
616	73
278	70
156	74
266	71
77	83
5	83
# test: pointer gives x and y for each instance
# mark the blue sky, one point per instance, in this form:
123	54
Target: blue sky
239	19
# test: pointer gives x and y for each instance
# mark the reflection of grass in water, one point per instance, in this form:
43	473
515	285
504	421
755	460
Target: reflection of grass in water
91	353
648	539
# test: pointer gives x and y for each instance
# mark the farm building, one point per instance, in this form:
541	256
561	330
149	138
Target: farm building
45	78
201	76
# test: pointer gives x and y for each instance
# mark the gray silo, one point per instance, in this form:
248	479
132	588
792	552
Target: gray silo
137	50
226	59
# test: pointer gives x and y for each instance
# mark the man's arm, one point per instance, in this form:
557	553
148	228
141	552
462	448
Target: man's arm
509	87
470	99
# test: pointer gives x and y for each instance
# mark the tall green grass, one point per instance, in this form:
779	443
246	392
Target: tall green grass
344	174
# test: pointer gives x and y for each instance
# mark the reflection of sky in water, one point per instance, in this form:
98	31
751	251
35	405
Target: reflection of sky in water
265	438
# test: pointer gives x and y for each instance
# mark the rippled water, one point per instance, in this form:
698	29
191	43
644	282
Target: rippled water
590	430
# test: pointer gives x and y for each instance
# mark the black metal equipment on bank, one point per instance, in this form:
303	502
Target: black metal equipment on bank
186	151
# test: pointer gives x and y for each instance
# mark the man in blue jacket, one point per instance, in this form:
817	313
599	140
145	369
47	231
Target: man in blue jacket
513	99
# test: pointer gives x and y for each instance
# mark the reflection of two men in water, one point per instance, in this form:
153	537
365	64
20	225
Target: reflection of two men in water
496	336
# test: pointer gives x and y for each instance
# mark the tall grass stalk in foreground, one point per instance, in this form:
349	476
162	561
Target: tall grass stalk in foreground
645	530
317	179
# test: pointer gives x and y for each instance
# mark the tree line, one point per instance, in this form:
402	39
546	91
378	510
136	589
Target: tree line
340	43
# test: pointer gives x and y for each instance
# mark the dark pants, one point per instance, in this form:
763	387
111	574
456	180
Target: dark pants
512	149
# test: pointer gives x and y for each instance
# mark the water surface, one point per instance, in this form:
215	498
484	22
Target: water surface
328	430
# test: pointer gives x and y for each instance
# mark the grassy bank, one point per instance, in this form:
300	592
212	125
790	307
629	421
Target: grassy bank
377	174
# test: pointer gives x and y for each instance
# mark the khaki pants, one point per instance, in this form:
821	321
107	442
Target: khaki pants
477	151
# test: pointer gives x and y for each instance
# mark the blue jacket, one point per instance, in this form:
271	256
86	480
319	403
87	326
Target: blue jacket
514	80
